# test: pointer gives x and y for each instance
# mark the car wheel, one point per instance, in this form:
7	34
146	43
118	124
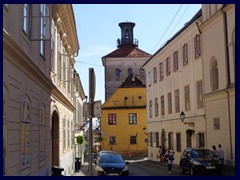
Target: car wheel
181	169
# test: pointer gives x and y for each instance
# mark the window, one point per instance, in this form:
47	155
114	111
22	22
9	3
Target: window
214	75
151	140
117	73
112	119
156	106
59	63
155	75
200	140
185	54
27	19
216	123
175	61
42	152
133	139
170	140
162	106
73	132
25	132
68	134
189	141
199	94
64	68
177	107
161	71
132	118
43	27
150	108
168	67
129	71
149	78
112	140
64	133
157	139
169	103
53	32
197	45
178	139
187	97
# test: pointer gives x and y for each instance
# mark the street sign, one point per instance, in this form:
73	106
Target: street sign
86	110
97	109
92	84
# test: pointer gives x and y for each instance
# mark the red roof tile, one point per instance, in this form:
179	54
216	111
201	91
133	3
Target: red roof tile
127	51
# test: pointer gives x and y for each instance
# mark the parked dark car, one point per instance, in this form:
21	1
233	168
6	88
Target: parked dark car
199	161
110	163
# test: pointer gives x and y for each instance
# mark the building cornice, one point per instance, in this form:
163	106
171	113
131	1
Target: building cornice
26	65
66	15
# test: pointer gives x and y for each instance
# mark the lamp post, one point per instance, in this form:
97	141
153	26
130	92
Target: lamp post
182	117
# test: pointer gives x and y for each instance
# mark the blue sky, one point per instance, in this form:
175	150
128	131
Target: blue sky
98	31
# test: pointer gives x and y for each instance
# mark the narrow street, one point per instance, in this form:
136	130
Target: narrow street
150	168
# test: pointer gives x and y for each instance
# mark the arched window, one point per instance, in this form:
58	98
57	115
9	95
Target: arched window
214	75
117	73
25	132
42	153
129	71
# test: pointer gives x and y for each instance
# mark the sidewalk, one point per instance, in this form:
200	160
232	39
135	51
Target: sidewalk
83	170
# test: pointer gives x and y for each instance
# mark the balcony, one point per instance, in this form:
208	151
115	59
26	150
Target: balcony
127	41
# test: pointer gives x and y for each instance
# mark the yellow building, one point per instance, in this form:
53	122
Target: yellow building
124	117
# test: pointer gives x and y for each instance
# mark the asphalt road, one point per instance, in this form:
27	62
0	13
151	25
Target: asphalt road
145	168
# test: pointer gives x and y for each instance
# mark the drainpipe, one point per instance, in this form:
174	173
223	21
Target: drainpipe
205	117
228	75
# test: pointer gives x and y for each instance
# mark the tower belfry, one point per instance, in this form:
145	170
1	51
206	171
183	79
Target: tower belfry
127	37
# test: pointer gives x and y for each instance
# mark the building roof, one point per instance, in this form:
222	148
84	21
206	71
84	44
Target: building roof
127	51
131	82
195	17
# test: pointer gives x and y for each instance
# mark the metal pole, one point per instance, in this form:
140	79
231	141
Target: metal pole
91	101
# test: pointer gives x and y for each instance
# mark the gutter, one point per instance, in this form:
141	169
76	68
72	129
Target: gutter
225	28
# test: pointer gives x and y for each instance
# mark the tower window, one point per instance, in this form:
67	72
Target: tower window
129	71
117	73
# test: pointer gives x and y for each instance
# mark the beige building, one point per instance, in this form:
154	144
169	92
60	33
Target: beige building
194	74
175	85
39	45
218	47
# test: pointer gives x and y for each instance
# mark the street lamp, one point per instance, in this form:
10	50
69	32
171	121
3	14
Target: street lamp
145	131
182	117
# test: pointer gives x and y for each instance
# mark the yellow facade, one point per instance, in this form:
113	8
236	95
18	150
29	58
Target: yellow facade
123	102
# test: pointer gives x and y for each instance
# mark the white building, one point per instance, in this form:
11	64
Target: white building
175	85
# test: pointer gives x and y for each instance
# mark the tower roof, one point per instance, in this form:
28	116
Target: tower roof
127	51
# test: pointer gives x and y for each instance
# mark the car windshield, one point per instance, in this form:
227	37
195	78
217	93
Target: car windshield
201	154
110	158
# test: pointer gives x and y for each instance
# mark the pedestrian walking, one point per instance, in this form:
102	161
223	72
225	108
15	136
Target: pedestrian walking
215	152
170	159
221	154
